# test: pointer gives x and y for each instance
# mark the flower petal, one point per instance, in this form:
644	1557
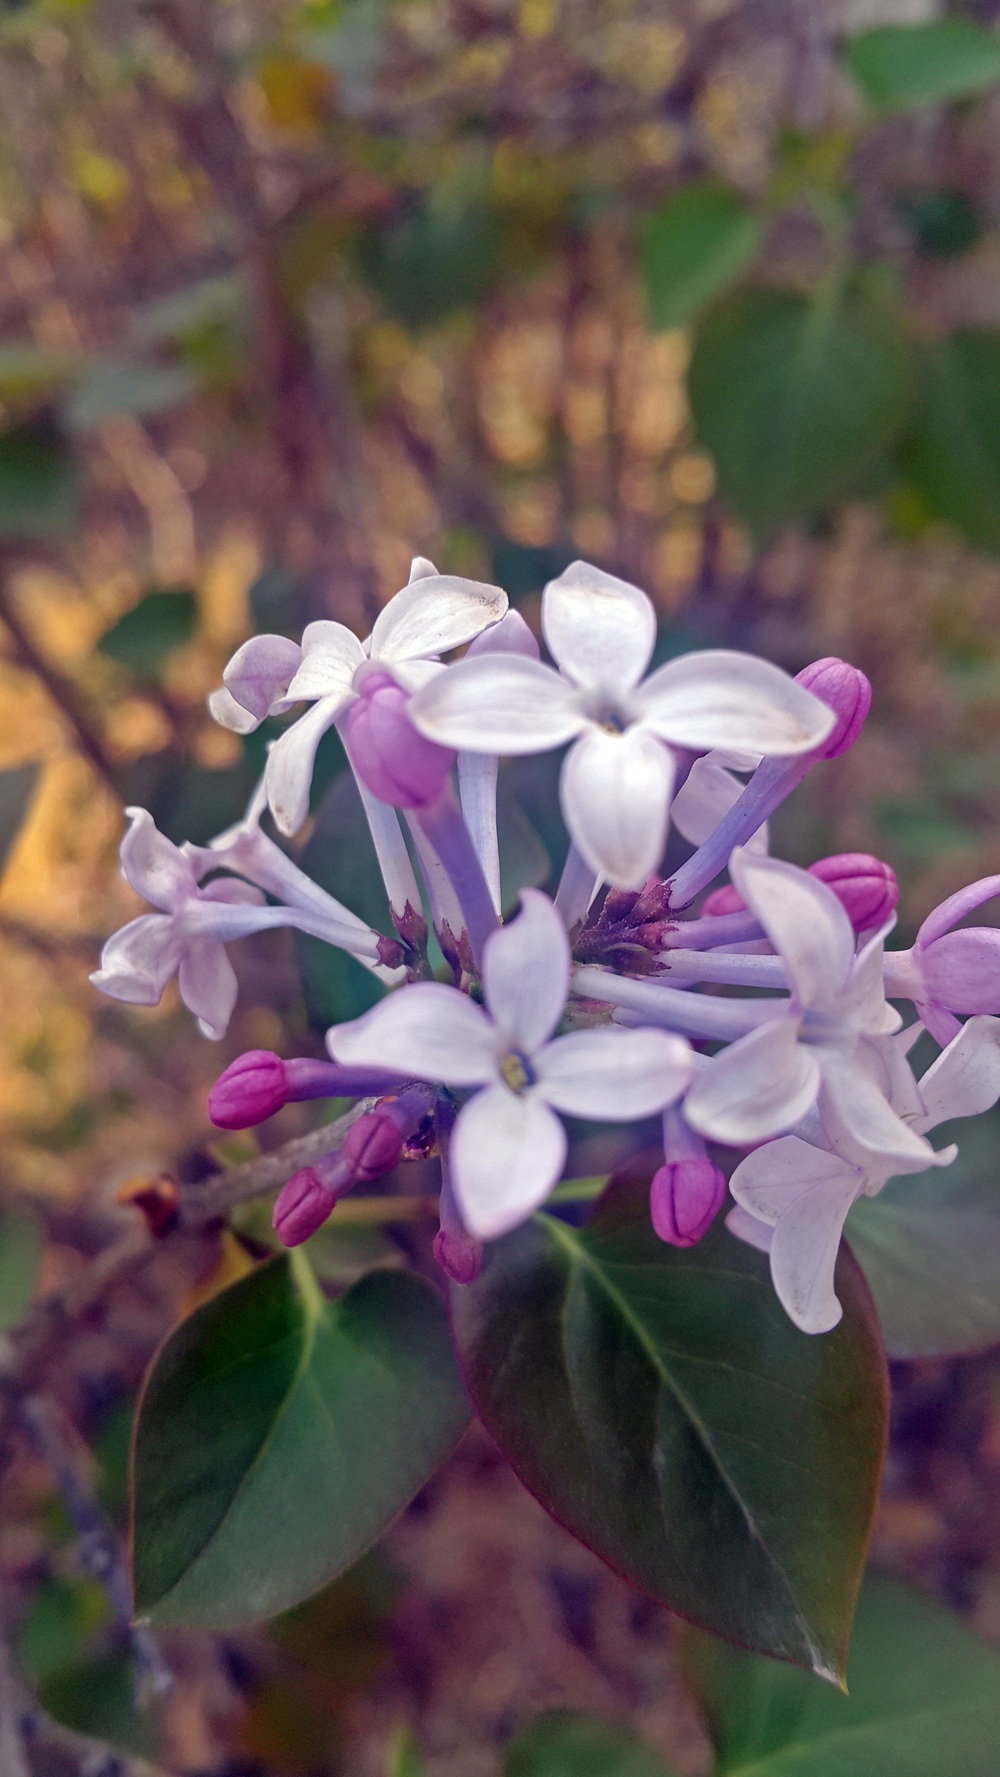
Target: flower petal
600	629
941	920
498	703
615	794
613	1074
965	1079
804	1248
510	636
803	919
856	1114
260	672
207	982
432	614
224	709
770	1179
758	1087
331	655
720	698
506	1154
153	865
427	1031
961	970
290	763
864	995
747	1228
708	793
138	961
526	969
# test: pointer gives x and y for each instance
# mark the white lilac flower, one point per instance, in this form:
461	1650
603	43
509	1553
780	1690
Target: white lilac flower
950	971
269	674
793	1196
508	1145
187	937
828	1046
618	776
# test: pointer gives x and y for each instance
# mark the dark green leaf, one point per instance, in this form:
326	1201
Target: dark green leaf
113	386
441	257
924	1700
565	1745
279	1435
945	223
662	1406
141	640
694	248
39	491
795	399
953	457
897	66
17	787
930	1249
22	1242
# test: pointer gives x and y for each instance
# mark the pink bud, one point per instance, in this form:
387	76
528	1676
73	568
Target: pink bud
373	1145
846	691
459	1255
723	900
684	1199
865	887
302	1206
252	1088
395	762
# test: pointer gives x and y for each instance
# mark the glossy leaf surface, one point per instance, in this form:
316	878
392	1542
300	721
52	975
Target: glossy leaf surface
562	1744
694	248
924	1700
279	1435
662	1407
897	66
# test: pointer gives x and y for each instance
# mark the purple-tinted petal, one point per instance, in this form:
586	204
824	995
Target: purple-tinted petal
260	672
507	1152
498	703
964	1081
138	961
615	793
720	698
331	655
600	629
207	982
974	895
290	763
153	866
758	1087
769	1180
804	1250
510	636
432	614
613	1075
804	921
526	968
961	970
428	1031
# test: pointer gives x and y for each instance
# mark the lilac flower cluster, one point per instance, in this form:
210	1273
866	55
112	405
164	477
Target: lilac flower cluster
587	1005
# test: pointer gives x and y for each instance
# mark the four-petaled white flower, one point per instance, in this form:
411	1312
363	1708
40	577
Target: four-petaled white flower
793	1196
508	1145
618	777
830	1047
269	674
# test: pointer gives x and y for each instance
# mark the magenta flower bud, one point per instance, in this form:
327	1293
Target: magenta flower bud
397	764
252	1088
684	1199
373	1145
865	887
302	1206
846	691
723	900
459	1255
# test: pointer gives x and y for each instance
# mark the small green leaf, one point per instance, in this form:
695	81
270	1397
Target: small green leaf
924	1700
566	1745
22	1242
442	256
163	620
17	786
953	456
279	1435
694	248
930	1248
39	488
663	1408
897	66
796	399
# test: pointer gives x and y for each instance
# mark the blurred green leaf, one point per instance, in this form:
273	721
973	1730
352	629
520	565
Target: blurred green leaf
17	786
29	371
920	829
168	319
278	1436
946	224
897	66
39	485
694	248
113	386
565	1745
59	1624
404	1758
442	256
953	455
795	399
340	856
164	619
22	1243
924	1700
97	1697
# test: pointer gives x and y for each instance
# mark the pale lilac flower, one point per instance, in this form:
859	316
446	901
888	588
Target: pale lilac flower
950	971
478	772
508	1146
269	674
793	1196
618	777
707	794
829	1045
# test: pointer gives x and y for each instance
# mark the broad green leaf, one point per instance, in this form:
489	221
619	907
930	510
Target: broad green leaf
662	1407
279	1435
442	256
796	399
22	1242
565	1745
953	456
897	66
39	488
113	386
694	248
924	1700
930	1248
17	786
141	640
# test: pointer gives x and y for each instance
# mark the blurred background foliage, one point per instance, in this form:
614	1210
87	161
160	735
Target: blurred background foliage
290	290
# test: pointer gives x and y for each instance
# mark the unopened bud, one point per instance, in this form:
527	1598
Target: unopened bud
846	691
684	1199
459	1254
373	1145
723	900
398	764
251	1089
865	887
302	1206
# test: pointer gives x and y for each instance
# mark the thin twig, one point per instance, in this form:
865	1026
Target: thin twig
213	1197
62	690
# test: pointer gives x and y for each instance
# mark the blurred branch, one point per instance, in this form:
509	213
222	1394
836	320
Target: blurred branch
13	1750
61	689
212	1198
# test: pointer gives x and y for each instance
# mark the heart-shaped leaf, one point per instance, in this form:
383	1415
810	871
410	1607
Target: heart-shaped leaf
662	1407
924	1700
279	1435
